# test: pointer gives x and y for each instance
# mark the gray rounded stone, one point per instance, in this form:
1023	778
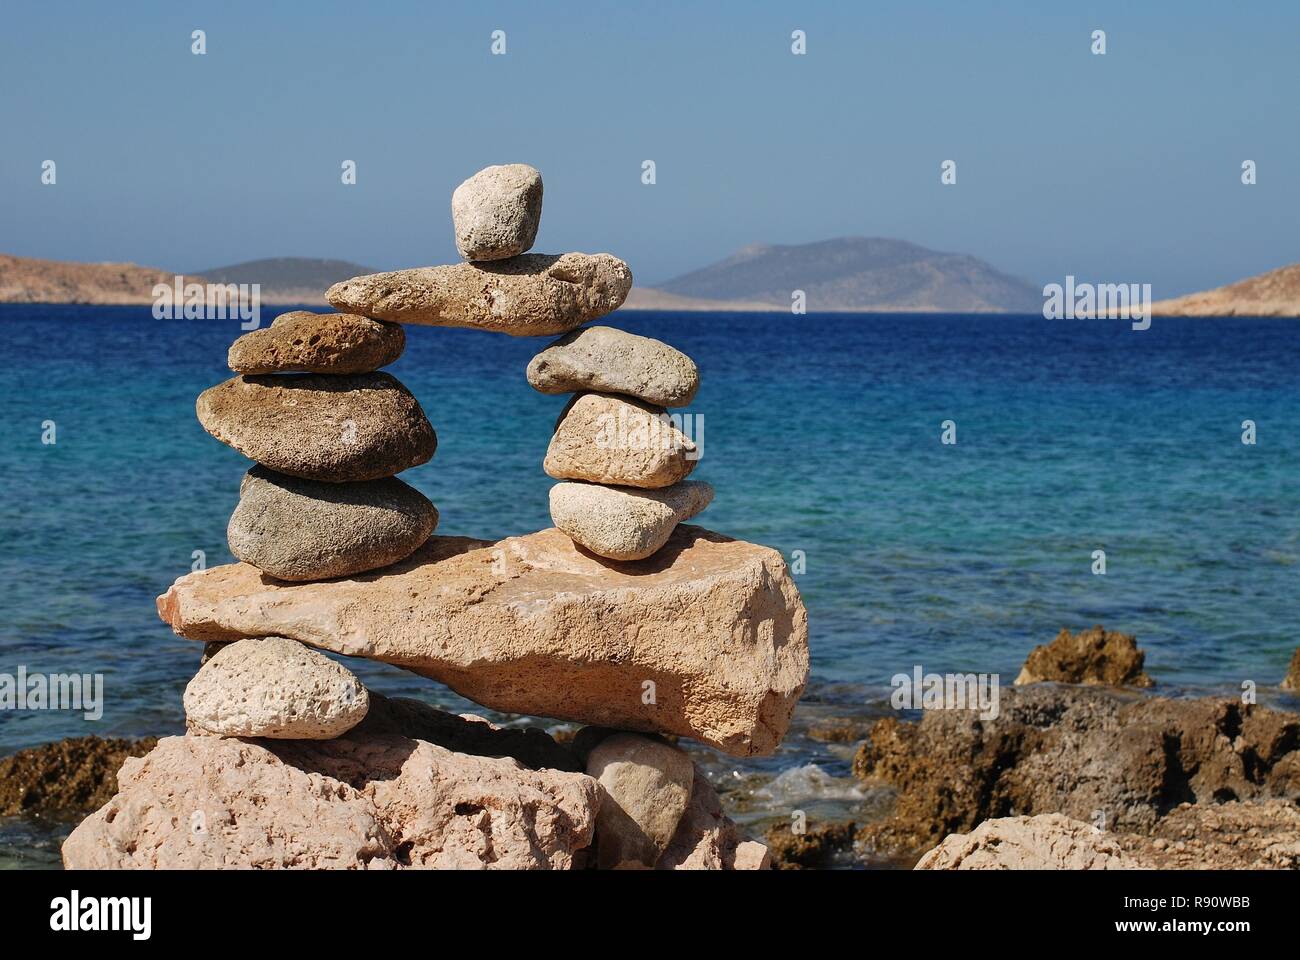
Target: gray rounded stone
495	213
275	688
297	529
609	360
320	427
624	523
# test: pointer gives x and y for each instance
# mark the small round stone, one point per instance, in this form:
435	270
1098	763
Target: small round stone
275	688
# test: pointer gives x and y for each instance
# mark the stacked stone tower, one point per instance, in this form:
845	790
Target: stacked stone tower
623	619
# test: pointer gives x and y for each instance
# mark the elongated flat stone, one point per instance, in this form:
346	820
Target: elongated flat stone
303	342
528	296
707	639
320	427
609	360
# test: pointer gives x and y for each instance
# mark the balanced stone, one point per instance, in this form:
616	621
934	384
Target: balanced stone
302	342
274	688
496	212
297	529
319	427
527	296
648	786
624	523
613	361
617	440
532	625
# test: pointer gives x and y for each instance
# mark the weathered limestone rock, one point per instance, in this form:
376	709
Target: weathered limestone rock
614	440
274	688
1096	656
712	627
527	296
1045	842
623	523
496	212
319	427
609	360
366	800
297	529
647	784
303	342
706	839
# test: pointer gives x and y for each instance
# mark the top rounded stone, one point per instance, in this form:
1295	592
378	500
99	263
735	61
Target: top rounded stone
495	213
303	342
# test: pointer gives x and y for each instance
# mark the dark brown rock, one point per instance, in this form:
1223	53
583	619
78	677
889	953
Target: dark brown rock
303	342
1292	679
330	428
1096	656
1098	755
75	775
815	849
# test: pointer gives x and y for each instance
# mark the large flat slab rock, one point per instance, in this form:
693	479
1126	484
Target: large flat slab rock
369	800
526	296
706	639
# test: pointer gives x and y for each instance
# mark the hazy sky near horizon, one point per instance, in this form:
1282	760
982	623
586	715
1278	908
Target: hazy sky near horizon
1117	168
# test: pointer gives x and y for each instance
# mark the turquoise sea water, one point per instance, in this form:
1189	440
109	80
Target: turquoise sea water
822	434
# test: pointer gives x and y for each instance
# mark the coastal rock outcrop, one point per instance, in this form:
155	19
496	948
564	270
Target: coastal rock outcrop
1096	656
608	360
624	523
1045	842
1096	754
303	342
69	776
320	427
274	688
526	296
297	529
706	639
615	440
495	213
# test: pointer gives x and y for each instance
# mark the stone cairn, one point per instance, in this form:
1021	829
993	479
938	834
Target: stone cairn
290	761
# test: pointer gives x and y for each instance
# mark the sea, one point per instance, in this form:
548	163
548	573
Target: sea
824	437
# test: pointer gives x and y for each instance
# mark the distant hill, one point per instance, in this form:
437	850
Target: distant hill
858	273
283	280
1272	294
29	280
288	279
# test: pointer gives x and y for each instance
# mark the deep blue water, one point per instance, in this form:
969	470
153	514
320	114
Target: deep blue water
822	434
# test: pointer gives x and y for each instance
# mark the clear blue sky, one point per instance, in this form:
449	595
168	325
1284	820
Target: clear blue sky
1119	168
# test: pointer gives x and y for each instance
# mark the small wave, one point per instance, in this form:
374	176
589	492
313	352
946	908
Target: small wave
809	782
